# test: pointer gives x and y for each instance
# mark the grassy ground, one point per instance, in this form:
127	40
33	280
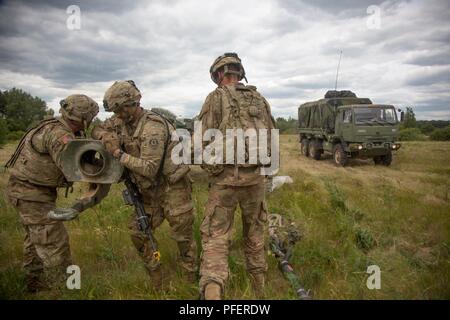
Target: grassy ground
397	218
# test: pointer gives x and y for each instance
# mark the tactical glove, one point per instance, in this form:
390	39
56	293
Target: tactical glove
111	142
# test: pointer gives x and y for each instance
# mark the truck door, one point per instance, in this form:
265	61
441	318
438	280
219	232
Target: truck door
347	124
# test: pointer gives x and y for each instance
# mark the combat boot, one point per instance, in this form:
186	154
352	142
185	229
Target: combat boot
156	278
213	291
258	284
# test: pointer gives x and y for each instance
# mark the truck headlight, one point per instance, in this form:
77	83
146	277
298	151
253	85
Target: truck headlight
360	147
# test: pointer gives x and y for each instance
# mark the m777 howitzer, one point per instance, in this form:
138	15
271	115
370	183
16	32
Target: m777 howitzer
85	160
282	239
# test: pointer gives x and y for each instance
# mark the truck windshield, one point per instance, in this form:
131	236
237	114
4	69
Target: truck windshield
375	115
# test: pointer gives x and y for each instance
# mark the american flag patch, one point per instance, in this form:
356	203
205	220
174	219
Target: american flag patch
66	138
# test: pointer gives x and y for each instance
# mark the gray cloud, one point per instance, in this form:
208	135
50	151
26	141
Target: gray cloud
290	50
430	78
433	59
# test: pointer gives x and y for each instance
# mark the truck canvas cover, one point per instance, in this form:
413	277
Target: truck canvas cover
321	114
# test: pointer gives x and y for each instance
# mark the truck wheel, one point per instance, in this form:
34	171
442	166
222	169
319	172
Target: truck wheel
386	160
314	152
339	155
377	160
305	147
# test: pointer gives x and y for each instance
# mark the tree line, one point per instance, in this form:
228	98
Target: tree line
417	130
19	111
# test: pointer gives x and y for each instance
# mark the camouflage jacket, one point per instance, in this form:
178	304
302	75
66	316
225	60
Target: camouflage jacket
35	165
147	146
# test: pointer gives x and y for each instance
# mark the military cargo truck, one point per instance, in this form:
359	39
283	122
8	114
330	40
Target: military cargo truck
348	127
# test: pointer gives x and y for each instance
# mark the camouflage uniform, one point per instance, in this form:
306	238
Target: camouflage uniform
165	187
35	176
228	107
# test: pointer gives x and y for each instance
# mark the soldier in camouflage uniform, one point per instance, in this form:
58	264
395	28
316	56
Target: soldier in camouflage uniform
141	140
233	105
32	190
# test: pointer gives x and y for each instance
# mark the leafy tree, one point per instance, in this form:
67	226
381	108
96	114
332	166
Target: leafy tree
3	131
410	119
441	134
411	134
288	126
22	110
426	127
2	105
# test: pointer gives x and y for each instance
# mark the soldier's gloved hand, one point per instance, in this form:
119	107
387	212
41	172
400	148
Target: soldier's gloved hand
111	142
63	214
96	133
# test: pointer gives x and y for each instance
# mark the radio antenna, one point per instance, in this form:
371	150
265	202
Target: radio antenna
337	73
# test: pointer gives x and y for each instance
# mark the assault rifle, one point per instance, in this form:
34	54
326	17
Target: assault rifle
132	196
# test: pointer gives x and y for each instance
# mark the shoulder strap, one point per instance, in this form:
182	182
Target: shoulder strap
22	141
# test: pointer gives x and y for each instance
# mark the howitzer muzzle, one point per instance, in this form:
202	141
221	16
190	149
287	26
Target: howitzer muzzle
85	160
88	161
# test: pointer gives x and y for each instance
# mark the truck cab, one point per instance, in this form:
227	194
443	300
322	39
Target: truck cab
368	130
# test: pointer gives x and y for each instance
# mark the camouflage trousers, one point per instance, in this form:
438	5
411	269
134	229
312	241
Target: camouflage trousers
46	245
216	230
176	207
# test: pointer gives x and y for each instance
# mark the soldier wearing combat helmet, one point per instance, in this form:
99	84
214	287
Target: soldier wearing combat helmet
141	140
32	190
233	105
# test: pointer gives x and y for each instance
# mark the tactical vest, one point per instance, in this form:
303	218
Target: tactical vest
168	171
244	107
29	164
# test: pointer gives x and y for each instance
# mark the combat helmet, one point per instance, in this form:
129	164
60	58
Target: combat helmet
121	94
229	58
79	108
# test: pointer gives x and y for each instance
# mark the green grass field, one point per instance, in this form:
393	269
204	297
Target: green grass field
397	218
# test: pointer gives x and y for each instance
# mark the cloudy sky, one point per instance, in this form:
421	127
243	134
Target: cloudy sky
395	52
